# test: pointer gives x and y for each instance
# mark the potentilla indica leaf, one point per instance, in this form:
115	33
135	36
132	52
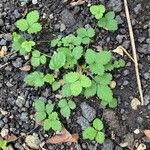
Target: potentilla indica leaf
71	77
32	17
22	24
85	81
76	88
57	61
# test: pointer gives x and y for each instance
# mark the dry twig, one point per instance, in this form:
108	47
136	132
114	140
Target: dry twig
134	51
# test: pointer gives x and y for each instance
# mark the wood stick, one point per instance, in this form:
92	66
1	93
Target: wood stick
134	51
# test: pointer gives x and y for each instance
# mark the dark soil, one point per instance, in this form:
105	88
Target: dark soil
120	122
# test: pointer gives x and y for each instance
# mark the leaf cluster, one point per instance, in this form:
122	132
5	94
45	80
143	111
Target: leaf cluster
94	132
74	83
30	23
37	58
66	106
46	114
20	44
37	79
106	21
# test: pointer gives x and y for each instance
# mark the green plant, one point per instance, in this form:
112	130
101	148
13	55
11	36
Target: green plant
20	44
30	24
97	11
74	83
108	22
85	34
95	132
37	79
97	61
37	58
3	144
46	114
66	107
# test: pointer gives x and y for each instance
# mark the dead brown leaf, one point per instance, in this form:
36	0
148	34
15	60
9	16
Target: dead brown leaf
77	2
135	103
62	137
3	51
147	133
25	68
10	138
119	50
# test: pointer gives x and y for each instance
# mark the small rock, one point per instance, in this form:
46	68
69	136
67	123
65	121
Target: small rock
1	124
119	38
136	131
147	99
8	37
24	116
87	111
118	148
146	75
141	39
4	132
34	2
1	23
20	101
67	18
137	8
126	44
9	147
19	146
17	63
2	42
125	83
145	49
118	18
116	5
33	141
82	122
62	27
126	72
108	145
148	40
16	13
4	48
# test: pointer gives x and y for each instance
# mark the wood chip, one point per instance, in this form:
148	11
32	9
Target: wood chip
25	68
113	84
141	147
63	136
147	133
3	51
76	3
10	138
119	50
135	103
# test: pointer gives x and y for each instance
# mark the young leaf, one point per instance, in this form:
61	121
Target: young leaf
90	91
71	77
65	111
91	32
98	124
56	125
41	115
104	92
36	27
113	103
22	24
89	133
66	91
57	61
39	105
43	59
32	17
49	78
100	137
62	103
77	52
3	144
71	104
76	88
47	124
97	68
90	56
35	61
85	81
56	85
49	108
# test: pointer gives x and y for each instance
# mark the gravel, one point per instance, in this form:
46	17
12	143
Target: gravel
2	42
82	122
20	101
137	8
108	145
116	5
87	111
145	49
33	141
17	63
147	99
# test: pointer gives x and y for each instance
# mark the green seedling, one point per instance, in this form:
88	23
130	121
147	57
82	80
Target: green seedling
20	44
46	114
97	61
74	84
66	107
56	85
108	22
30	23
37	58
97	11
94	132
3	144
85	34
